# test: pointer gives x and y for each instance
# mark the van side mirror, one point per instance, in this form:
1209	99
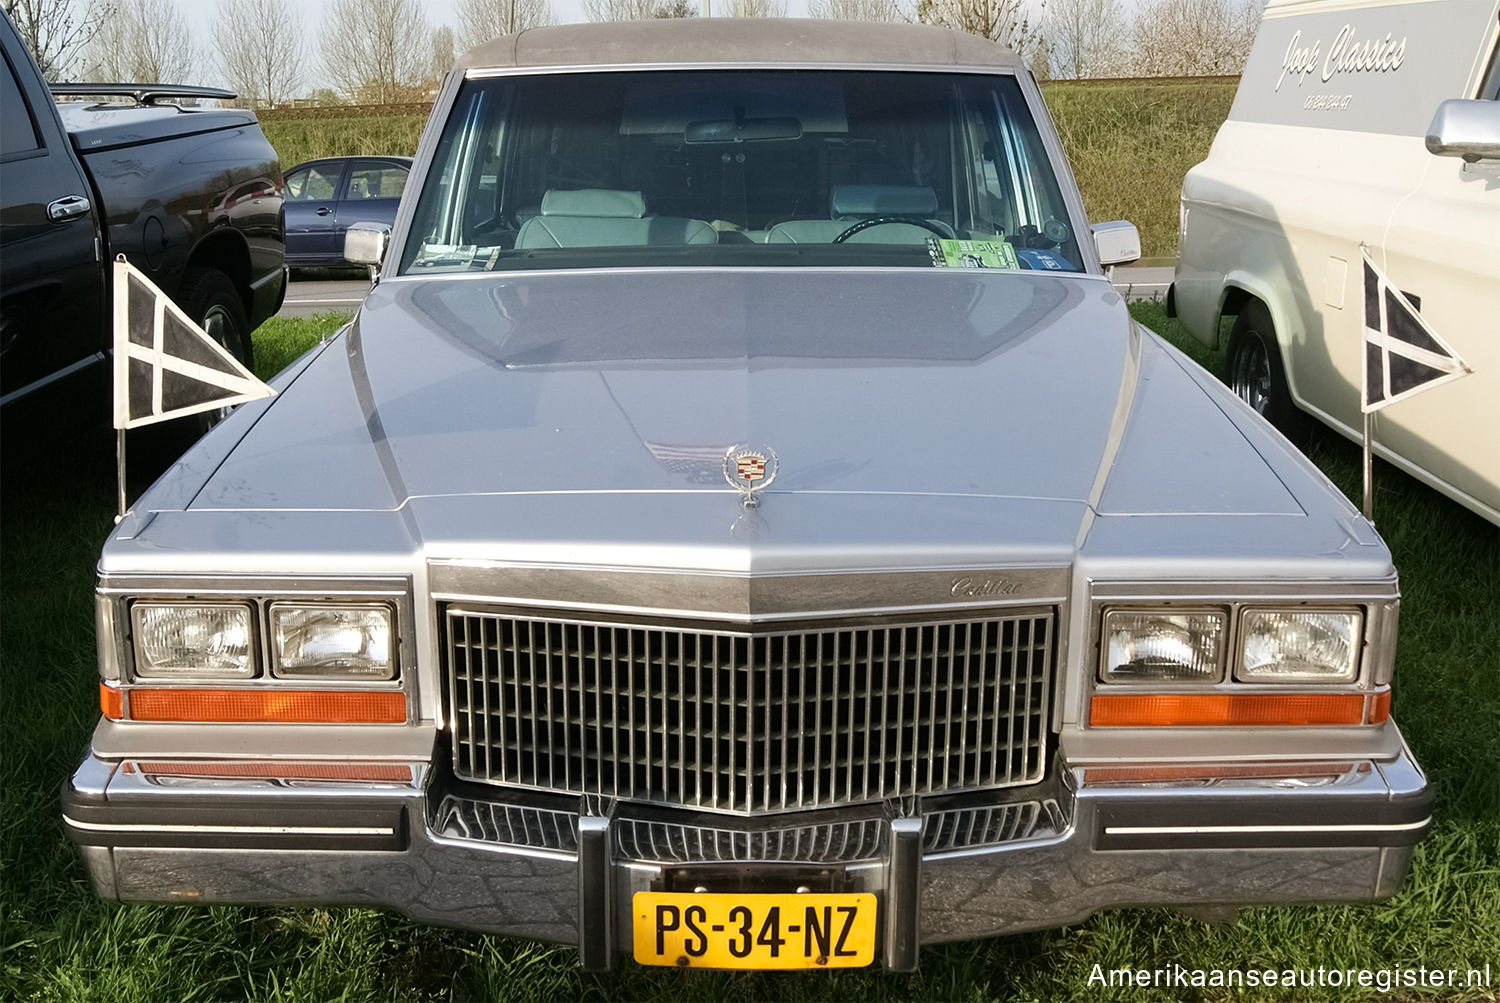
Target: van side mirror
365	244
1467	129
1118	242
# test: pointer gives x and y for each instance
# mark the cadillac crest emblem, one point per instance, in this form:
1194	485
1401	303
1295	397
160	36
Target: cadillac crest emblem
749	470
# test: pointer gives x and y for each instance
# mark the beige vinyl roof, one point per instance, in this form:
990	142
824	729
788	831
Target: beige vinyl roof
678	41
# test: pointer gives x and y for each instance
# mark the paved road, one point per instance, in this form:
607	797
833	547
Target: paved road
309	296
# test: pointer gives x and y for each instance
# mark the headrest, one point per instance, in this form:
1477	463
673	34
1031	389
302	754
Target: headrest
594	202
883	200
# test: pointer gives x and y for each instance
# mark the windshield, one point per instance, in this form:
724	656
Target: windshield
740	167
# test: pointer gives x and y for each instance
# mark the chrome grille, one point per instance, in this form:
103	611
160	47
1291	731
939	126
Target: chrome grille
516	825
738	720
838	842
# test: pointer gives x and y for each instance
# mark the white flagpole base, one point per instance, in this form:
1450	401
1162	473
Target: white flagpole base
1369	508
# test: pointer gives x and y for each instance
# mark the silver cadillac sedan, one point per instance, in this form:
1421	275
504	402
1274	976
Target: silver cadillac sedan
743	528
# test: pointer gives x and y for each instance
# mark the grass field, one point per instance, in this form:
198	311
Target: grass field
61	943
1130	142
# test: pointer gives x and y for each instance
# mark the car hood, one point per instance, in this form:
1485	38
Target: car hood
929	410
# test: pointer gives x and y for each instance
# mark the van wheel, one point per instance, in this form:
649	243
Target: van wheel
1256	374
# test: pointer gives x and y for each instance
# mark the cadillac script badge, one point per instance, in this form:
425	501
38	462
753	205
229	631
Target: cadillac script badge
749	470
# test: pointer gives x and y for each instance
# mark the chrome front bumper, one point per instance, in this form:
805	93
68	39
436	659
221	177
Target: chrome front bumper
406	837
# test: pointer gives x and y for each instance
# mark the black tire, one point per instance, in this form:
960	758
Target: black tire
209	297
1255	371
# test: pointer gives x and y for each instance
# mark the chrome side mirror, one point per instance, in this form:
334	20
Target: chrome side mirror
1118	242
365	244
1467	129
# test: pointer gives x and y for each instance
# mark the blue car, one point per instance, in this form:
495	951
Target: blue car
323	197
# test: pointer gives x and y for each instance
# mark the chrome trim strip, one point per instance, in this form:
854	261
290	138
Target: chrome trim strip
746	598
808	66
1193	830
275	830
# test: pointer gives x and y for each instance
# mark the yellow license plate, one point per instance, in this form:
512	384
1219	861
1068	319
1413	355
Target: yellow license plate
701	930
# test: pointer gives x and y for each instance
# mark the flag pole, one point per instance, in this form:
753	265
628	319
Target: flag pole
1369	485
120	472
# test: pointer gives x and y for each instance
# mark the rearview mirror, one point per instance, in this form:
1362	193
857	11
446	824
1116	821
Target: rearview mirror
1118	242
1467	129
365	244
744	130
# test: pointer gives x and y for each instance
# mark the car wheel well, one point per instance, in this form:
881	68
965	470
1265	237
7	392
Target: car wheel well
224	251
1255	369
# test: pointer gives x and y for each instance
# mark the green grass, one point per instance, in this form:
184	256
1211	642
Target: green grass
62	943
1129	141
299	135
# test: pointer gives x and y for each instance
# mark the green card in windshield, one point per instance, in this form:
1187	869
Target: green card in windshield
972	253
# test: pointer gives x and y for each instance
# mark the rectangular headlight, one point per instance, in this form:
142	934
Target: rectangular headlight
1298	646
174	640
332	641
1163	646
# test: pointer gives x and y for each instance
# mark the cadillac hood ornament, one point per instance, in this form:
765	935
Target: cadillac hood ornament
749	470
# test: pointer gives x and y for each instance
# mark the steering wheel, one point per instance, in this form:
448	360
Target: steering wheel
865	224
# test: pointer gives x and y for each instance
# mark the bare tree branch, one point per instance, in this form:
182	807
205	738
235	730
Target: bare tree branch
263	58
146	41
376	51
1193	37
1086	38
1008	22
56	31
637	10
860	10
757	8
481	20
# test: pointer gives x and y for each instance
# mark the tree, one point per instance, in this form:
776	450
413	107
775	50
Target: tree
481	20
262	59
443	56
858	10
1085	38
1177	38
1005	21
637	10
757	8
373	50
143	41
56	31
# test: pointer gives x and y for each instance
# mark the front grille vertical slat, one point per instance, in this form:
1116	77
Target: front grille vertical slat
553	702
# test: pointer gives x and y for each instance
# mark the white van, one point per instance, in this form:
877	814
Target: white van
1345	132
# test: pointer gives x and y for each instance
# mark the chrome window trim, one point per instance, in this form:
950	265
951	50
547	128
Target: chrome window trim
1031	94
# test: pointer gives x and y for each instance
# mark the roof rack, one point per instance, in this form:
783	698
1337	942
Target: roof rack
142	93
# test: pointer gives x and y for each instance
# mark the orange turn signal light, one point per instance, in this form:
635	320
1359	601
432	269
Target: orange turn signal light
269	705
111	702
1158	710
